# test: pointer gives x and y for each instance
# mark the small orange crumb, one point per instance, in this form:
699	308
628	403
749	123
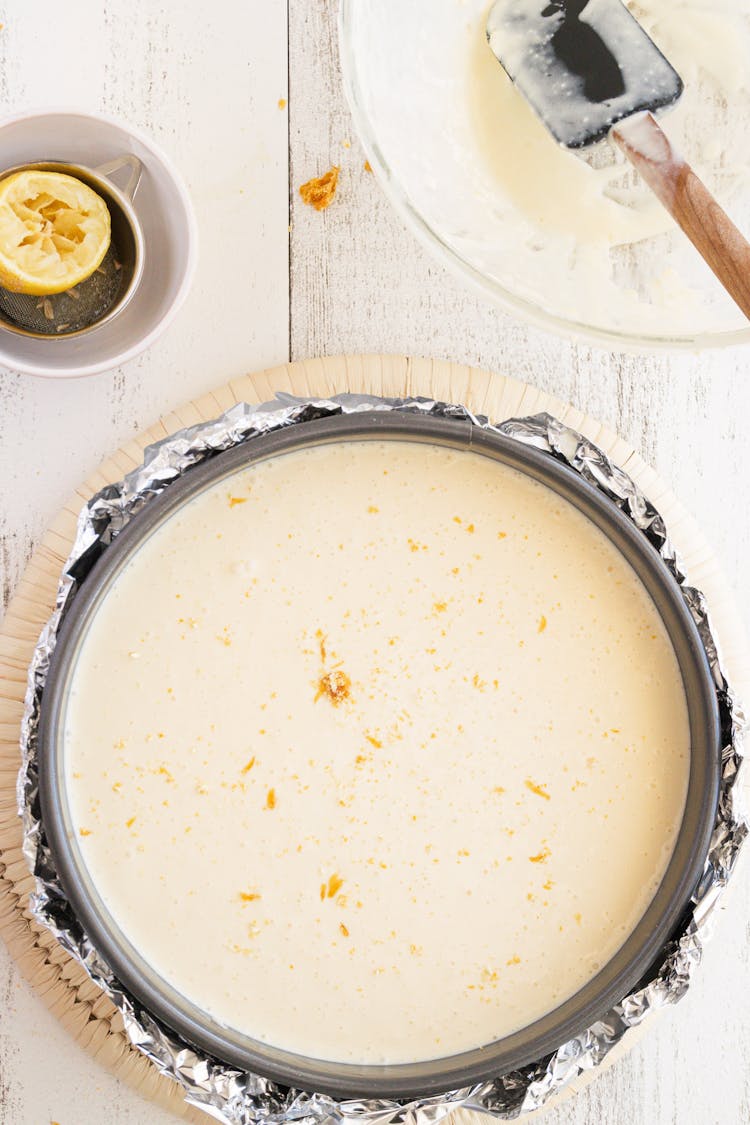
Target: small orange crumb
548	885
367	166
374	741
372	509
282	103
502	535
344	931
542	857
251	897
319	191
248	766
235	500
335	686
84	831
271	799
130	823
335	883
470	528
542	624
515	960
538	789
577	918
498	789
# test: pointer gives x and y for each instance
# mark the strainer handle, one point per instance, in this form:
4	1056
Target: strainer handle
112	167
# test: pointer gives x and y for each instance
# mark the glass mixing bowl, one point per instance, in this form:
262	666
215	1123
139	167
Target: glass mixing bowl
434	112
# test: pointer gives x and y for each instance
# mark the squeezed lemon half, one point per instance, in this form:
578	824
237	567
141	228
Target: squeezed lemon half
54	232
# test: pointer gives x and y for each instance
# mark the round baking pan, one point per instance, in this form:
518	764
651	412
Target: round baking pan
615	980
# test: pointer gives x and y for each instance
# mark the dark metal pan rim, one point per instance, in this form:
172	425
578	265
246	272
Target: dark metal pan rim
616	979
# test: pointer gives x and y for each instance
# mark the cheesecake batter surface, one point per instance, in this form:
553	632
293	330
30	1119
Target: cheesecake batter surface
377	751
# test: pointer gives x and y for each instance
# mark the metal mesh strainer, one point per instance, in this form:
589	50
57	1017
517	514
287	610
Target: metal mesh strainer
100	297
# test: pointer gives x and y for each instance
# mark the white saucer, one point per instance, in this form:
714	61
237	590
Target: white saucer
169	233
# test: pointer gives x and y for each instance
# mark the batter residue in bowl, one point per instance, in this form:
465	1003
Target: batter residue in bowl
579	238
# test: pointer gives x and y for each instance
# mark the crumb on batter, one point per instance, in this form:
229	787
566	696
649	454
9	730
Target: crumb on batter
335	686
332	887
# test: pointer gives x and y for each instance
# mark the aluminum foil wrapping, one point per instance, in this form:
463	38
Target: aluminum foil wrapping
238	1098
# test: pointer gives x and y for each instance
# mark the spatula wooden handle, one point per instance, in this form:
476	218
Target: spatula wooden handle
689	202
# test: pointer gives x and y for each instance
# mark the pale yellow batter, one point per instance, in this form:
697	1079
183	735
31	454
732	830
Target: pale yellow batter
377	751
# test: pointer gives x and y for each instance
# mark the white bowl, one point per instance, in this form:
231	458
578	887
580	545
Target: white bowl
170	240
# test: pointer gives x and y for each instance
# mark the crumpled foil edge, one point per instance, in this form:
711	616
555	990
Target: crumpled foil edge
238	1098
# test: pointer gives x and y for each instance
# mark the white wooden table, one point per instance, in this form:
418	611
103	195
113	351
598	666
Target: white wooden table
246	97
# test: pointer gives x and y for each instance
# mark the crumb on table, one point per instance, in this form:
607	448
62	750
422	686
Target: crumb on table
319	191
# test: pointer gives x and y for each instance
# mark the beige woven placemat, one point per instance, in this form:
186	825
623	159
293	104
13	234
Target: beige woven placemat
62	984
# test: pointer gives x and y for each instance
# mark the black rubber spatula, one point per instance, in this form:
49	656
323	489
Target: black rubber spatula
589	70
